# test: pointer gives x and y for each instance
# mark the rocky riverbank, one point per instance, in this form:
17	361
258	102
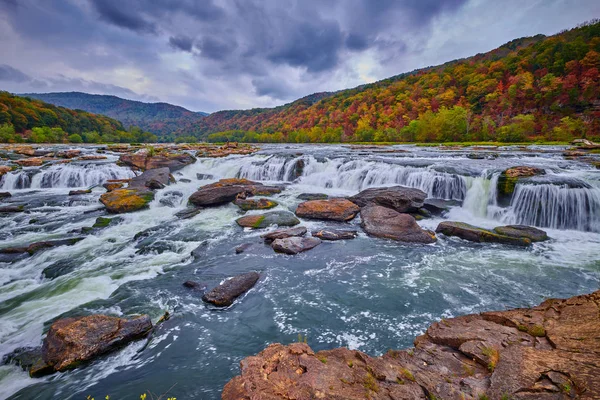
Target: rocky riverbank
551	351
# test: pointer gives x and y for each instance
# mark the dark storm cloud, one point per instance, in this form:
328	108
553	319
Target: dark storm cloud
181	42
216	48
114	13
10	74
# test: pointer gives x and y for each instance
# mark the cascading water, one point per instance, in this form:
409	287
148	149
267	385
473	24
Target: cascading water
554	206
64	176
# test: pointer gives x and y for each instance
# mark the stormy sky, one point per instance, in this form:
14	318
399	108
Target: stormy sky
209	55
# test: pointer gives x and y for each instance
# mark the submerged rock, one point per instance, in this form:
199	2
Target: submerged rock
71	341
480	235
312	196
225	294
38	246
242	248
295	244
79	192
188	213
255	204
194	285
11	209
284	233
386	223
546	352
399	198
5	195
121	201
144	161
522	231
279	218
29	359
335	234
333	209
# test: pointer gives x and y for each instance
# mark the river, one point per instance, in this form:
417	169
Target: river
368	294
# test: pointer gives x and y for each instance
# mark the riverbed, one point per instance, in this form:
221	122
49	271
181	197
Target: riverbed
368	294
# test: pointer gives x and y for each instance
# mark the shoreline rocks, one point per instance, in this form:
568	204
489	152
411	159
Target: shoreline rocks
550	351
386	223
225	294
332	210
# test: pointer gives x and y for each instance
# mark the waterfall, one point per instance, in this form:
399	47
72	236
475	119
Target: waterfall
64	176
275	168
555	206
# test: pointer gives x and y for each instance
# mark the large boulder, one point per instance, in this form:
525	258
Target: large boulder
127	200
39	246
399	198
522	231
153	179
144	161
335	234
227	190
255	204
295	244
4	169
479	235
508	179
224	294
386	223
284	233
279	218
333	209
551	351
71	341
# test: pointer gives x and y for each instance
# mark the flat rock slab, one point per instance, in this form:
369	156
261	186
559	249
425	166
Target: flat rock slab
144	161
255	204
120	201
284	233
79	192
71	341
279	218
227	190
312	196
39	246
333	210
479	235
386	223
295	244
399	198
551	351
335	234
225	294
522	231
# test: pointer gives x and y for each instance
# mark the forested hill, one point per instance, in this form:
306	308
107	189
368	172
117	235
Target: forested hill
530	88
158	118
23	119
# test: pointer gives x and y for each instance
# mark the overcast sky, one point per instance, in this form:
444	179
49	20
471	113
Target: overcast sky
211	55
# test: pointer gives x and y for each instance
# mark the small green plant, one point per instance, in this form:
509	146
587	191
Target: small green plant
323	359
483	396
302	339
566	388
537	330
493	357
371	383
407	374
151	151
522	328
350	364
469	371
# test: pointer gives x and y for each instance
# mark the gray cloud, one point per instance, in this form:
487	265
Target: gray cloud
214	54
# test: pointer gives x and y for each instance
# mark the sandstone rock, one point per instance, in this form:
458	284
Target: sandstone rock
493	355
224	294
522	231
399	198
312	196
71	153
79	192
227	190
295	244
509	179
126	200
152	178
38	246
333	209
24	150
386	223
4	169
335	234
110	186
255	204
279	218
11	209
143	161
71	341
476	234
284	233
31	162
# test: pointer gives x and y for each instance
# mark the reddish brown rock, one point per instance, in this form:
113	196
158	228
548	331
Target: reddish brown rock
399	198
4	169
31	162
144	161
284	233
333	209
225	294
110	186
227	190
551	351
71	341
386	223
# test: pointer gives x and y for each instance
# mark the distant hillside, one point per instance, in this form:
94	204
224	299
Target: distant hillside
158	118
530	88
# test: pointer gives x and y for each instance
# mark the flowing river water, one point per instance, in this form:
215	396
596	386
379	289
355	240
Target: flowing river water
367	294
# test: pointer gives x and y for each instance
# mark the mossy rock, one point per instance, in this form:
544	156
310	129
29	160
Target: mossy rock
477	234
103	222
255	204
126	200
279	218
507	181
